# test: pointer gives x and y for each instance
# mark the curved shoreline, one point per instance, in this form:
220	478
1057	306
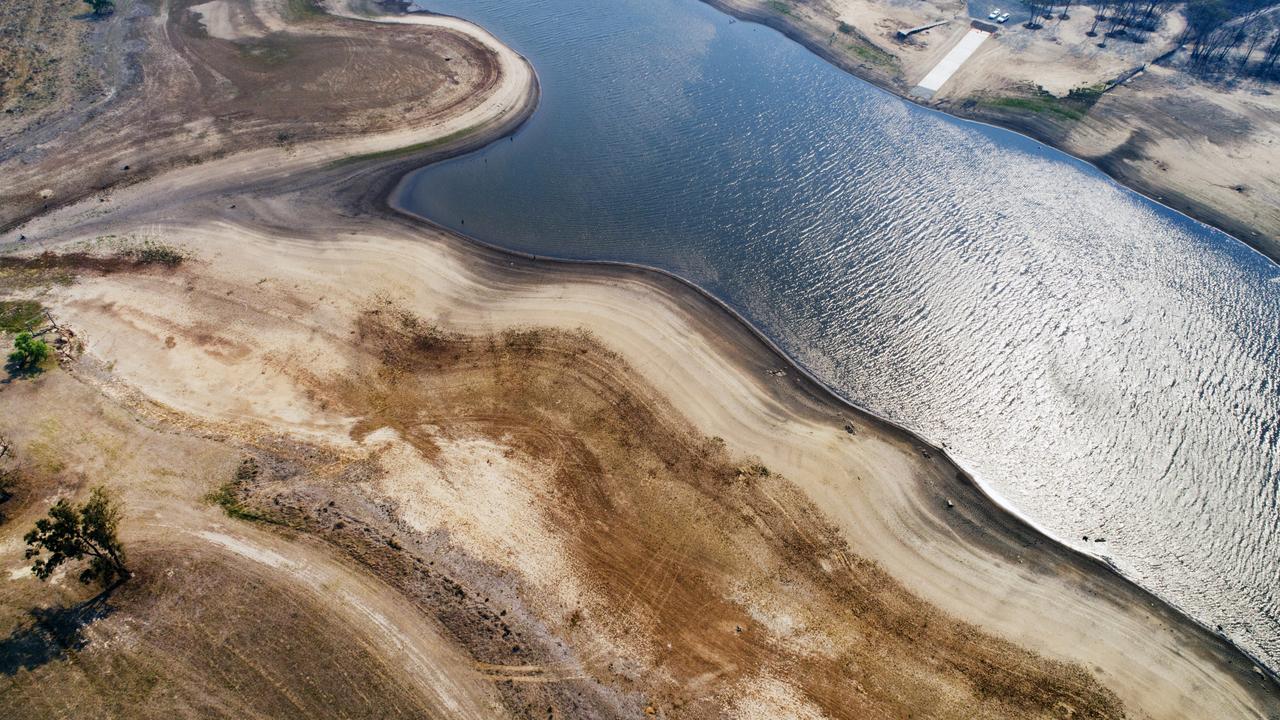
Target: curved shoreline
805	394
998	505
392	194
1197	211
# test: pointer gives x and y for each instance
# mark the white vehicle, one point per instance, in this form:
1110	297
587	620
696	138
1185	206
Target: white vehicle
1003	18
994	14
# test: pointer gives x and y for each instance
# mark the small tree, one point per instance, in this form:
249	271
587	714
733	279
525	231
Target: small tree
73	533
28	352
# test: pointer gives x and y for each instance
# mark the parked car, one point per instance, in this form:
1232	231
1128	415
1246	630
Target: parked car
1003	18
994	14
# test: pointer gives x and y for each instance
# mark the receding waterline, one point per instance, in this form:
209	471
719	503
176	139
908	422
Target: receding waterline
1106	366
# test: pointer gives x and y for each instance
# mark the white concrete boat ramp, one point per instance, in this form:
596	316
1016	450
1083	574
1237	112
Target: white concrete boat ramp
951	62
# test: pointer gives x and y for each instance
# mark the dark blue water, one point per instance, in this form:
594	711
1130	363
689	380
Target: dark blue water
1105	365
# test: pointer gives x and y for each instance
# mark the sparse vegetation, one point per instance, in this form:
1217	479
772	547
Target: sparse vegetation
873	55
302	10
228	495
267	51
1073	107
1090	94
74	533
779	6
152	252
28	352
20	315
39	40
105	255
8	474
1035	105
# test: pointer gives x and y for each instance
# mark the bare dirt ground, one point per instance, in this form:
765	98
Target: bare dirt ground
222	620
373	470
1207	149
197	80
587	550
558	505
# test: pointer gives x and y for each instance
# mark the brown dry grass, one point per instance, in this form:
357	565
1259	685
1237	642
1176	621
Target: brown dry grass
691	556
185	96
196	634
38	56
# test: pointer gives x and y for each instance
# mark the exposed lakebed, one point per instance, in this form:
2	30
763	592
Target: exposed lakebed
1108	367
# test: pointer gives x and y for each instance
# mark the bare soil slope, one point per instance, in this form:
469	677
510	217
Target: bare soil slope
585	548
199	80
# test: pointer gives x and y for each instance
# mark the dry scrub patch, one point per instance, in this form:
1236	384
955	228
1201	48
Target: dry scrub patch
198	633
587	546
41	56
203	80
205	628
54	267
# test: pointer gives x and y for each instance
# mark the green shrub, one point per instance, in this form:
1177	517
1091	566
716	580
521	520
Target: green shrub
1088	95
101	7
1038	104
303	10
228	495
28	351
874	55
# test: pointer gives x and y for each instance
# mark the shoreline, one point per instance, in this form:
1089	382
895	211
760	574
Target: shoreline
820	389
1200	212
1004	535
393	192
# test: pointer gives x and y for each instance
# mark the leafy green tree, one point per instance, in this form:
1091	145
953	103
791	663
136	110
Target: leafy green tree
28	352
74	533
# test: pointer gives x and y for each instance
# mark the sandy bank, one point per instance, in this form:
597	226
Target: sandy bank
886	492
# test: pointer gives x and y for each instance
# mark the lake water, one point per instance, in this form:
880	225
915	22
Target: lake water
1103	364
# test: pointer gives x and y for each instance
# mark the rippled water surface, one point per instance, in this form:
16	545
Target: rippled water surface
1105	365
